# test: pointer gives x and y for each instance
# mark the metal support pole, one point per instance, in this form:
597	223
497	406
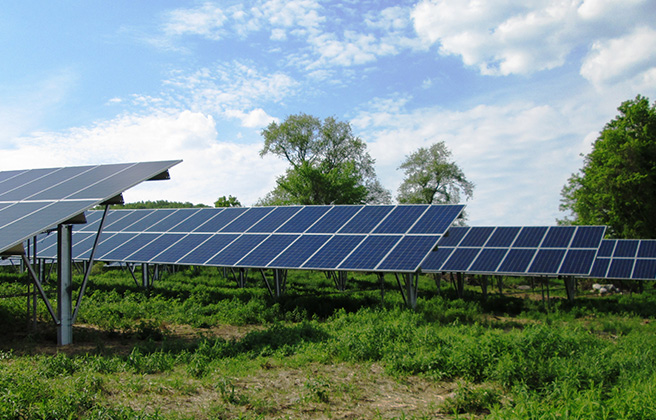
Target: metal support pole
411	282
570	287
145	281
484	286
65	285
381	280
460	285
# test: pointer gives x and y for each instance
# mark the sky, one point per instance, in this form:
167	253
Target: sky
518	90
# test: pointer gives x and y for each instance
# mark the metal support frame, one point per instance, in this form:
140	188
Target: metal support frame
460	285
484	286
145	276
409	288
64	285
570	287
279	282
340	278
381	281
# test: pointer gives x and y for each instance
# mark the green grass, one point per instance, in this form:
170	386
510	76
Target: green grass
196	346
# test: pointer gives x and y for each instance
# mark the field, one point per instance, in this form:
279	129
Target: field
196	346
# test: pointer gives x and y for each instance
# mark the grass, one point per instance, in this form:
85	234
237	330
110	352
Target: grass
196	346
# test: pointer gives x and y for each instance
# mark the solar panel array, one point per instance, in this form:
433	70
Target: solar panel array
532	250
348	238
626	259
34	200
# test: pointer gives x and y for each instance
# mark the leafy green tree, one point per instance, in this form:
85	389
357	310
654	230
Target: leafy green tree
228	201
617	184
432	178
158	204
328	164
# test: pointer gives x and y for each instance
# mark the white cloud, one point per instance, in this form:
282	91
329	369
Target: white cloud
256	118
509	152
517	37
632	57
206	21
209	169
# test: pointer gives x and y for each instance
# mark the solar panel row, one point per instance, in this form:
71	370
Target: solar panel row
531	250
626	259
354	238
34	200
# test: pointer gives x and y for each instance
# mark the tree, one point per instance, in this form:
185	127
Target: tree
432	178
617	184
228	201
329	165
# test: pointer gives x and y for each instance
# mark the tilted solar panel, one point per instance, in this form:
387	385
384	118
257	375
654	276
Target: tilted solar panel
532	250
32	201
354	238
625	259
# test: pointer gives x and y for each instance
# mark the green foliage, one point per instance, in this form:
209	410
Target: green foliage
158	204
329	165
228	201
470	399
431	178
617	184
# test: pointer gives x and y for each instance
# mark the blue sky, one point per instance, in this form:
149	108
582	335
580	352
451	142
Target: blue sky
516	89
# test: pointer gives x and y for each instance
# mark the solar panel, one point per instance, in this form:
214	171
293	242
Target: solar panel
35	200
272	237
532	250
625	259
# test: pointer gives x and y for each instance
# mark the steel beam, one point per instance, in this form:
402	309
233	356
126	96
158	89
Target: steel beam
65	285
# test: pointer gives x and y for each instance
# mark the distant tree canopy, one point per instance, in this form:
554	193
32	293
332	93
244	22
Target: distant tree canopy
228	201
329	165
158	204
432	178
617	184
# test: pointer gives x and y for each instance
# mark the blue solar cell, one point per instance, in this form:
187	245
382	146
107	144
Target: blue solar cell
547	261
197	219
7	175
333	220
461	259
123	223
488	260
171	221
606	248
299	251
334	252
503	237
626	248
181	248
588	236
129	247
517	261
274	220
366	219
149	220
477	236
408	254
234	252
247	219
401	219
205	251
72	187
217	219
436	259
304	219
82	244
108	242
17	179
150	251
453	236
620	268
647	249
645	269
437	219
123	176
53	177
370	252
578	261
558	237
600	268
47	245
266	251
530	237
112	217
